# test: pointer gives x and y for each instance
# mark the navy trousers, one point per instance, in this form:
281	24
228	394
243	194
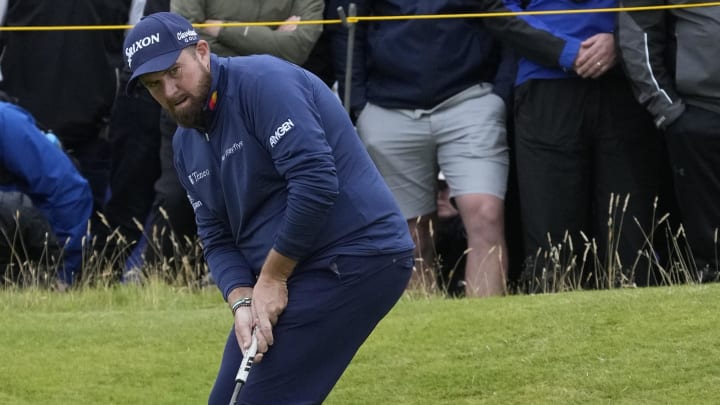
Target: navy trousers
329	315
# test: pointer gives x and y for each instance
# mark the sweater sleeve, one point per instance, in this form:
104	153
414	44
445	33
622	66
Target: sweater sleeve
641	37
528	35
287	122
51	181
227	264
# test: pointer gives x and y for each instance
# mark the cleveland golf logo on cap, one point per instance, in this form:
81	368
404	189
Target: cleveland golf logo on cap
140	44
187	36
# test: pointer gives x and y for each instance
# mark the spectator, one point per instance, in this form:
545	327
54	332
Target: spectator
135	137
291	42
73	99
671	56
320	61
300	232
580	137
301	44
413	120
34	166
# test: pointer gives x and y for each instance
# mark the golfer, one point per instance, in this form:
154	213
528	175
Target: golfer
302	236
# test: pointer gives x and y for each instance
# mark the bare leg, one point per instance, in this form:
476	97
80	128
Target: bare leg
486	267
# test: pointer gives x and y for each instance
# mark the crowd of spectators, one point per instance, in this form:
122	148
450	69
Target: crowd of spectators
555	136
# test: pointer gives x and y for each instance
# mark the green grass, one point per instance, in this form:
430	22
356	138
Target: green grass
158	345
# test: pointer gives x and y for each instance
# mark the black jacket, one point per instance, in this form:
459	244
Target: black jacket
66	79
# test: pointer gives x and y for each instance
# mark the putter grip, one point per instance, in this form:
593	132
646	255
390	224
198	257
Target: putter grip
244	369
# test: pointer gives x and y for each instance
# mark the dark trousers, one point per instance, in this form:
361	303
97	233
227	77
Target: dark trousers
92	158
172	220
577	142
135	138
694	147
330	313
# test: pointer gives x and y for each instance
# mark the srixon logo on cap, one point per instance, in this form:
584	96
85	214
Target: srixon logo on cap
140	44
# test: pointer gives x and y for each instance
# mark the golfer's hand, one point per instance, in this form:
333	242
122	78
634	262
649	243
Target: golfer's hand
270	297
243	327
243	317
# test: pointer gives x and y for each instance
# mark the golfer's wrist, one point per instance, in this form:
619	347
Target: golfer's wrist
238	294
243	302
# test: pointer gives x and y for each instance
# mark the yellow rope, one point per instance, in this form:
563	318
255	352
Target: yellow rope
353	20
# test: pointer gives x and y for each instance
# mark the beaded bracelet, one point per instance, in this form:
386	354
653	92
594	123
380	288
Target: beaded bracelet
242	302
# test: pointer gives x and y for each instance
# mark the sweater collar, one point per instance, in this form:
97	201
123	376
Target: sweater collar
218	73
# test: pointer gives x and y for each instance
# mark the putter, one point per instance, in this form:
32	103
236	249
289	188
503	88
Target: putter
244	369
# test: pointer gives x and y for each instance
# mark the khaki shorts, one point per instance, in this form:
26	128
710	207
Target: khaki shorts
464	136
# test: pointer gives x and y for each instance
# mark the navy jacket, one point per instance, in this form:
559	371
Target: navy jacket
44	173
417	64
279	165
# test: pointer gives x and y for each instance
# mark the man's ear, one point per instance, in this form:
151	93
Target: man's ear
203	51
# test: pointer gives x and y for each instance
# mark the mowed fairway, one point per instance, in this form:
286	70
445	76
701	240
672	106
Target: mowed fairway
158	345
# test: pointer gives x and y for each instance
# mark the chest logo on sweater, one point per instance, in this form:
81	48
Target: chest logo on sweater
280	132
231	150
195	203
198	175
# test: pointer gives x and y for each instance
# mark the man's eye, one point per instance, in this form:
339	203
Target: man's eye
151	85
174	71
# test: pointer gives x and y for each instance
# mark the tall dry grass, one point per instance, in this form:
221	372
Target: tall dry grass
664	256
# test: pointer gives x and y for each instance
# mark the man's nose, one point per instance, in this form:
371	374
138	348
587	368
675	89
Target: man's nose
169	89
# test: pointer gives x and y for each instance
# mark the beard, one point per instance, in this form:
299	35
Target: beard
190	115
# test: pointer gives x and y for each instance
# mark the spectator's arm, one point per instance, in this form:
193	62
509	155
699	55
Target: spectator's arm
641	38
528	35
294	46
51	181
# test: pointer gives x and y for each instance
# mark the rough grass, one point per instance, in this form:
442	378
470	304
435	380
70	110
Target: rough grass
161	345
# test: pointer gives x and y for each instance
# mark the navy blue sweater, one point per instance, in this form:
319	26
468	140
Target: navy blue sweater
279	165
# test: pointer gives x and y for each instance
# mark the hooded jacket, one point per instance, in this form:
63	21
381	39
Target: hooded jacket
39	169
